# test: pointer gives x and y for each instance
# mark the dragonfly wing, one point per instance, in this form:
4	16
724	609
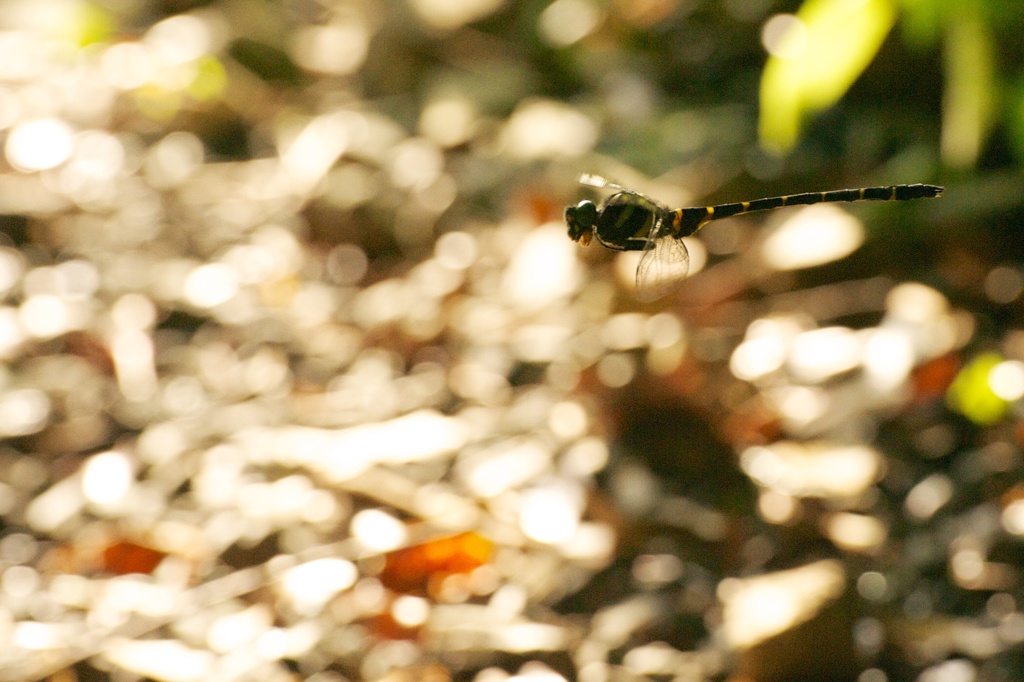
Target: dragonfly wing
663	267
592	180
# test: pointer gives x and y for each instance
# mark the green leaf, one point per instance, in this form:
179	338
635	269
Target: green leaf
818	60
968	94
971	392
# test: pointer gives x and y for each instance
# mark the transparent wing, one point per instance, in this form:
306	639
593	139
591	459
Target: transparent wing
662	268
591	180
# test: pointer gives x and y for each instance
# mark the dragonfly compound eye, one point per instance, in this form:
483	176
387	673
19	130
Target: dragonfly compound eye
581	219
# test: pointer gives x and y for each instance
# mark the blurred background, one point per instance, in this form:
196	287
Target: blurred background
302	378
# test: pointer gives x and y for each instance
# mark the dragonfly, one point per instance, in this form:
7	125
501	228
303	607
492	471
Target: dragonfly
631	221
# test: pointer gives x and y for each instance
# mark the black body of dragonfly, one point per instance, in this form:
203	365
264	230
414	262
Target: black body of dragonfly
630	221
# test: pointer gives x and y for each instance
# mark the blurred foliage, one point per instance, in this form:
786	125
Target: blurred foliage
833	42
815	60
971	392
302	377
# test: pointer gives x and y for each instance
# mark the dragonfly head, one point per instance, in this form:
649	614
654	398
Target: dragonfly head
582	219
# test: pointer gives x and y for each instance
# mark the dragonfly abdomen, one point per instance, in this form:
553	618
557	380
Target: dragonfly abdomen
686	221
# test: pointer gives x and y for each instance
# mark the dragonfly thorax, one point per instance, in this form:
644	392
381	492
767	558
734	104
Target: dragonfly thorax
627	221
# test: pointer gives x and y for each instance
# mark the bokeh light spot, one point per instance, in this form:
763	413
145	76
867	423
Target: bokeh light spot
410	611
23	411
812	236
338	48
544	129
1004	284
179	39
928	496
888	358
543	269
565	22
758	608
210	285
448	121
378	530
784	36
39	145
450	14
173	159
45	316
550	514
615	370
107	477
312	584
1007	380
872	585
456	250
